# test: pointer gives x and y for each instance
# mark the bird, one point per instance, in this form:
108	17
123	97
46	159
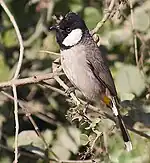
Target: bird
86	67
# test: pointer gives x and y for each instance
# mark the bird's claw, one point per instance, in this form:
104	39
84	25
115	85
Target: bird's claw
70	90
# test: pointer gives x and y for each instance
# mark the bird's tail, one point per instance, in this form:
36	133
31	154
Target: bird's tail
124	131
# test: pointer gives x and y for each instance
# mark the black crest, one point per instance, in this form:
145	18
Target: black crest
70	22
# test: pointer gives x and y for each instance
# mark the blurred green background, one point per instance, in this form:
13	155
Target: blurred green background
72	141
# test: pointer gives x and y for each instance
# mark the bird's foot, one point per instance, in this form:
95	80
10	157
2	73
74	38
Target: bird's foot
70	90
86	106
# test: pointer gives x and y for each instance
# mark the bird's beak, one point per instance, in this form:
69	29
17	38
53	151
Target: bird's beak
55	27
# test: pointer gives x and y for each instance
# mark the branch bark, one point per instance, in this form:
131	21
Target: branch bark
29	80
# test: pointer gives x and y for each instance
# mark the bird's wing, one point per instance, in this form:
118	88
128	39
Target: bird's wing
101	70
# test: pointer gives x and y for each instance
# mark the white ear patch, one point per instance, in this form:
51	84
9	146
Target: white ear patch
73	37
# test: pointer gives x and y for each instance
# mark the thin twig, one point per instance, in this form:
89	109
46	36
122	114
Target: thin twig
47	85
96	110
90	107
36	156
99	134
29	80
23	153
28	114
78	161
15	75
39	78
16	122
18	35
134	33
49	52
57	78
106	16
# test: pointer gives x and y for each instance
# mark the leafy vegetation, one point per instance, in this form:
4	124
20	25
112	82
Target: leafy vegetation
68	132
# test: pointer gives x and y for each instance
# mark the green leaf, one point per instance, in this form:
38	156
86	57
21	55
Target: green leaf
4	69
5	160
141	20
117	36
76	5
71	136
29	137
60	151
129	80
84	139
140	152
146	108
48	136
49	43
75	133
31	142
92	16
127	96
10	38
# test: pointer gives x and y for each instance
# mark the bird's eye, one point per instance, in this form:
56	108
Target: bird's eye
68	30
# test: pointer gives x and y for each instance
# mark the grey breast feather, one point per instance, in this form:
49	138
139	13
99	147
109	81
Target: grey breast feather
77	70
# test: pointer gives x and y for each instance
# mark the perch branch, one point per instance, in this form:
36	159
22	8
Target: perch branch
57	78
29	80
93	108
106	16
90	107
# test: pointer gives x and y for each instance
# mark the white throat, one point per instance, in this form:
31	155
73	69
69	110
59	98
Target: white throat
73	38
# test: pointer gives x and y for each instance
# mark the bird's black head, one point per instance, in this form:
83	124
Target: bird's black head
70	30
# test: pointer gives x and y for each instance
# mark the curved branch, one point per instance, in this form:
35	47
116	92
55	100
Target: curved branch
106	16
